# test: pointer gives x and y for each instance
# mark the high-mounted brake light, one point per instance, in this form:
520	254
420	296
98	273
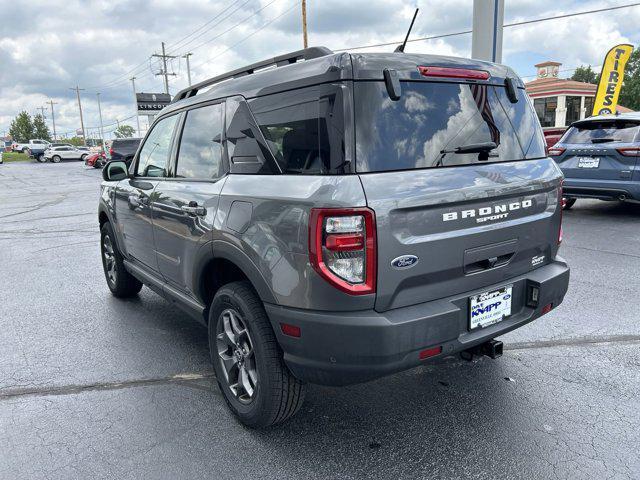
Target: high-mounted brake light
342	248
449	72
556	151
629	151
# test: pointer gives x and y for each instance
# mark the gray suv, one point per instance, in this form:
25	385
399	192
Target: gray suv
333	218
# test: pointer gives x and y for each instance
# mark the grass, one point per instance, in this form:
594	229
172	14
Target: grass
15	157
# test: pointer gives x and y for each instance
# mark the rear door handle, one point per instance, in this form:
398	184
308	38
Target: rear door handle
194	209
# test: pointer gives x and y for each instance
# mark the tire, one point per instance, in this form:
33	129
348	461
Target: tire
83	157
277	395
121	283
56	159
568	203
40	158
25	150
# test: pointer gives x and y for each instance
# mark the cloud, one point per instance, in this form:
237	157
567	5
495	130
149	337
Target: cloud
100	44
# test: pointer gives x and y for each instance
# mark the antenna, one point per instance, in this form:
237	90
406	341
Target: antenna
400	48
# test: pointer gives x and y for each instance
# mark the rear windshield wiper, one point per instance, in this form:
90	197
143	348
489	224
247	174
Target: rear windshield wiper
604	140
484	147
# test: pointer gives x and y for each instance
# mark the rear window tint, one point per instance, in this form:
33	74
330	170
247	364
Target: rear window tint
305	132
432	118
603	132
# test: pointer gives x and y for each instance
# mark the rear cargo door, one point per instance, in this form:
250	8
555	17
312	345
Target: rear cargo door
452	222
601	150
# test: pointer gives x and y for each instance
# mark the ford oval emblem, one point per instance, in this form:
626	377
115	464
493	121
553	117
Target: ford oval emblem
404	261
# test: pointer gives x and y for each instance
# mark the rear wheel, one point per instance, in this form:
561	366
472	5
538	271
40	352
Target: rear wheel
121	283
83	157
567	203
256	384
41	158
56	159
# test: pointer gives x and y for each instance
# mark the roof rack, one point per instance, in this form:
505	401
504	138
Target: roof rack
279	61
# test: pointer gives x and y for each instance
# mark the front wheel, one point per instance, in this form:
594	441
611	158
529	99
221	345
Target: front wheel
83	157
121	283
250	371
56	159
41	158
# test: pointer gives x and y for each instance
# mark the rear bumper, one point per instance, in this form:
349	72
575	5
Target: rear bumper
601	189
342	348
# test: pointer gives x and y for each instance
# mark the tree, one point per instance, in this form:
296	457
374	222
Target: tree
585	74
630	93
21	129
40	129
124	131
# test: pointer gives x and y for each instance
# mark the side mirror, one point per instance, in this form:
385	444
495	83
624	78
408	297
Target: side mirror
115	171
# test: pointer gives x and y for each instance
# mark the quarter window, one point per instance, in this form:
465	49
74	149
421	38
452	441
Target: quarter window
154	155
200	154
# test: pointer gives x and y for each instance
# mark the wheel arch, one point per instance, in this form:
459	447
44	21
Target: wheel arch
225	264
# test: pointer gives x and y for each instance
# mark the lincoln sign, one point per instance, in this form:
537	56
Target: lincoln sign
152	103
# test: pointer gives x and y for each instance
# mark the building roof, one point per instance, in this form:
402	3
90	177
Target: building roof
543	86
544	64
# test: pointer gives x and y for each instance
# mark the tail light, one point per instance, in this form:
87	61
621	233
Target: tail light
448	72
342	248
110	150
556	151
629	151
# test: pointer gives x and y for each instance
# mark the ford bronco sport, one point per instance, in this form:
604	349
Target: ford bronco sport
333	218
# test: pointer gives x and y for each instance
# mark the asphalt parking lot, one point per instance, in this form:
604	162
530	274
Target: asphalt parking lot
95	387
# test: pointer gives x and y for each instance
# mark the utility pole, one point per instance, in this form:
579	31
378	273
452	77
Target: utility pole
186	57
164	72
486	40
53	119
304	23
78	89
135	101
101	128
42	109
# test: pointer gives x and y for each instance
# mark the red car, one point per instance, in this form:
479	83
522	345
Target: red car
96	160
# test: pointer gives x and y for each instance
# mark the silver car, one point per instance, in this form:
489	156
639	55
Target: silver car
56	154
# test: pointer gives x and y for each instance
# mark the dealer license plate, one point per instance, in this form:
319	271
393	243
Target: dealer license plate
490	307
588	162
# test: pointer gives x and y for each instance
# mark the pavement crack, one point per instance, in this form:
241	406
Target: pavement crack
189	380
573	342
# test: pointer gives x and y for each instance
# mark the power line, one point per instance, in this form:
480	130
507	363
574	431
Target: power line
514	24
250	35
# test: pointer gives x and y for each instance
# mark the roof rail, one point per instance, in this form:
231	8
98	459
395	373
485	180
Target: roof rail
279	61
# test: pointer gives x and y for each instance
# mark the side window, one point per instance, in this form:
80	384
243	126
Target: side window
305	132
247	150
154	155
200	153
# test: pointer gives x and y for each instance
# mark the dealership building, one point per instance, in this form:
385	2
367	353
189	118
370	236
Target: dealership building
559	102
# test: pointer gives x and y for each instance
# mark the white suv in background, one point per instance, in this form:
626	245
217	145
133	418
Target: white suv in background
56	154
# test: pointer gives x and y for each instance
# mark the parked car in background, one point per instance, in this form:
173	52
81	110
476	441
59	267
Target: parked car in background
37	152
552	135
56	154
60	145
96	160
23	147
599	157
124	149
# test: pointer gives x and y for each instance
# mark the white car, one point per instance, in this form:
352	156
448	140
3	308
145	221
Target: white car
24	147
56	154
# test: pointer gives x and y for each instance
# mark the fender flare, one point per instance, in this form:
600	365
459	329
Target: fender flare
227	251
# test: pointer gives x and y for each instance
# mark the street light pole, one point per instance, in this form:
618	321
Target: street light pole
101	128
53	118
135	101
77	89
186	57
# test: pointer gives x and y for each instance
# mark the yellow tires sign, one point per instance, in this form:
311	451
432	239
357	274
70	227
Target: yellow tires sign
611	79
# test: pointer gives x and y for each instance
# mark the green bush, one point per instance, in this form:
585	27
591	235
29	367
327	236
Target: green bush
15	157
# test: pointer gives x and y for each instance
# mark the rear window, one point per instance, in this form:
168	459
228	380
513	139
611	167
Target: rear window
603	132
424	128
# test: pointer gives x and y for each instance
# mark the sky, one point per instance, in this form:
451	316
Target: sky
47	47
